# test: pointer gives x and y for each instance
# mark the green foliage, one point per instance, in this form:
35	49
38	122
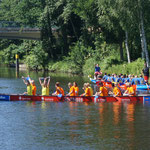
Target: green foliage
111	65
61	66
79	53
8	55
105	63
88	68
132	68
81	32
37	58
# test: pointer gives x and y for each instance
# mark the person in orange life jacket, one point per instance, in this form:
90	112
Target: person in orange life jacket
91	90
116	90
86	90
130	90
33	87
71	90
76	88
59	90
102	90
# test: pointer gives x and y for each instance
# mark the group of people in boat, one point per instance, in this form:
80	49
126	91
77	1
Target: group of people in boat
44	82
114	85
103	89
122	79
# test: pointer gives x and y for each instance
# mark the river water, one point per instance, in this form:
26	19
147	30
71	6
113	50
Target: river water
69	125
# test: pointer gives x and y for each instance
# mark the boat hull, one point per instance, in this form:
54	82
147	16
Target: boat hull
74	99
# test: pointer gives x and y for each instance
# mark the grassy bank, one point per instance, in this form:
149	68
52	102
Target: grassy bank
60	66
134	67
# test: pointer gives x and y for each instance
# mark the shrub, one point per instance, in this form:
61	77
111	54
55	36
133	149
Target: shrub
37	58
61	66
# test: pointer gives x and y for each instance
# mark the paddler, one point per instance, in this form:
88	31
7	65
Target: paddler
32	82
71	90
76	89
45	85
29	86
91	90
130	90
86	90
59	90
33	87
102	90
116	90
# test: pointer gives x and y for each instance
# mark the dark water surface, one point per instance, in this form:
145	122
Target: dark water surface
69	125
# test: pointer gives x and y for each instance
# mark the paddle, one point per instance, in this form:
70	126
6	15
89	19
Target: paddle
59	95
118	99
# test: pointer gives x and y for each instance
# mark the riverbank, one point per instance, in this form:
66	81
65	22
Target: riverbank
134	67
110	64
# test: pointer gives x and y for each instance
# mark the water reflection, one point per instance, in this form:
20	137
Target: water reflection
117	112
31	104
43	105
101	113
130	108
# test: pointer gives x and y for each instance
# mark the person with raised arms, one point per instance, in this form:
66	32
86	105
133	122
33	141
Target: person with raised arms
45	85
76	89
32	82
59	90
28	84
71	90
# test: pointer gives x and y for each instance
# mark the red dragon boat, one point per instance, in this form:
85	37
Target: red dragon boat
95	99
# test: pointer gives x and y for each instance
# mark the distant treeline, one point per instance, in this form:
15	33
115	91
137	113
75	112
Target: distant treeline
105	31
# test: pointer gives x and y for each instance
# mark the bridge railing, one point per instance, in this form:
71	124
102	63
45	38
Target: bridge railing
9	29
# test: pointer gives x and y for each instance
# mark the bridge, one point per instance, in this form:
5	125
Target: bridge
14	30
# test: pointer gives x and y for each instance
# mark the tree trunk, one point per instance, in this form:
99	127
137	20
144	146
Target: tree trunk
127	47
142	44
75	33
50	34
121	51
143	38
65	40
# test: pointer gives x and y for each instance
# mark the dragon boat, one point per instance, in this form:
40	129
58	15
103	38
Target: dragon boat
95	99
